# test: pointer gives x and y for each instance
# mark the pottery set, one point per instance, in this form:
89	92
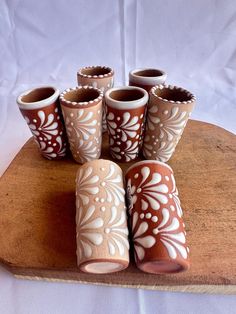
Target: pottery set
147	116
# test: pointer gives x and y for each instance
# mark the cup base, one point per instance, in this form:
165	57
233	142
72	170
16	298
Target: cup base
102	267
162	267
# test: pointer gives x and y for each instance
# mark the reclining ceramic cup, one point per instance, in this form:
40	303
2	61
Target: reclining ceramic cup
82	111
146	78
157	228
41	111
101	77
125	115
168	111
101	218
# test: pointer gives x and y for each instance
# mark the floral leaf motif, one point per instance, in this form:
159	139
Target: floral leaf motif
152	120
86	186
118	233
87	151
47	152
48	126
170	237
175	197
141	242
62	150
162	153
152	192
129	126
87	233
112	184
111	125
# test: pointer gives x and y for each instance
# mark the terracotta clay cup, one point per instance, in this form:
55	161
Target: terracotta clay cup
82	111
168	111
146	78
41	111
101	220
125	114
101	77
158	233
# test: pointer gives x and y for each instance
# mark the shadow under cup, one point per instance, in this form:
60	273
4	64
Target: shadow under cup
40	109
125	113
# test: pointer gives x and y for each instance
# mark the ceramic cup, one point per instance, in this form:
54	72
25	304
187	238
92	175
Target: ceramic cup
158	233
40	109
125	115
101	77
168	111
146	78
101	221
82	111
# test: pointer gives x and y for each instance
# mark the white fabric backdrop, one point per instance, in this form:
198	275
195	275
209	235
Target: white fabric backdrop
45	42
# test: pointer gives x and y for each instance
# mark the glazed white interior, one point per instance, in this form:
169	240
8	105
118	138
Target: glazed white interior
102	267
38	97
127	97
149	162
173	94
147	76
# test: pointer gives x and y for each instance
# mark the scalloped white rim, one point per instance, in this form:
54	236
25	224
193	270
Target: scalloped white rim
74	103
144	162
147	80
37	104
192	96
132	104
110	73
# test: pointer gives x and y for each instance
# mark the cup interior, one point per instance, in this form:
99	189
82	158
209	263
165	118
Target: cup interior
148	73
95	71
38	94
82	95
126	94
173	94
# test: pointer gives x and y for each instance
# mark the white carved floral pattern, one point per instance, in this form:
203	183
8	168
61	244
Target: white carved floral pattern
88	233
140	240
168	231
151	191
175	197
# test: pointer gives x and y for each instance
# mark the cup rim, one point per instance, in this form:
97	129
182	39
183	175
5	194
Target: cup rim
147	80
173	87
132	104
37	104
81	104
141	162
100	76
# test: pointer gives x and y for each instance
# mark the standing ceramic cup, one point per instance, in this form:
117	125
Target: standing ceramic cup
146	78
39	107
82	111
125	115
157	228
168	111
101	77
101	221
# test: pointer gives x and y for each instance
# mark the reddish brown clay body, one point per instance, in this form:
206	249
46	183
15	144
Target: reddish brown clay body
101	77
40	109
168	111
101	232
146	78
125	115
82	111
158	231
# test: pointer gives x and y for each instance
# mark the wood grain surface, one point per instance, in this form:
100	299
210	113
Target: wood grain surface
37	216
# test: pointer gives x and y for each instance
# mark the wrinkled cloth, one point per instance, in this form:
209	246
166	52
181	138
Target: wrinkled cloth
45	42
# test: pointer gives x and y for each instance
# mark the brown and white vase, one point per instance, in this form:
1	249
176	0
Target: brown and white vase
101	77
157	228
101	219
146	78
41	111
82	111
125	115
168	111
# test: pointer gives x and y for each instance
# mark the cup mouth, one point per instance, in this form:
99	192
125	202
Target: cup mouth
126	97
147	76
81	96
163	266
96	71
172	94
36	98
150	162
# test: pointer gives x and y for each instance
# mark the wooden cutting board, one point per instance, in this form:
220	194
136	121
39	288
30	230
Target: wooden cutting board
37	216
